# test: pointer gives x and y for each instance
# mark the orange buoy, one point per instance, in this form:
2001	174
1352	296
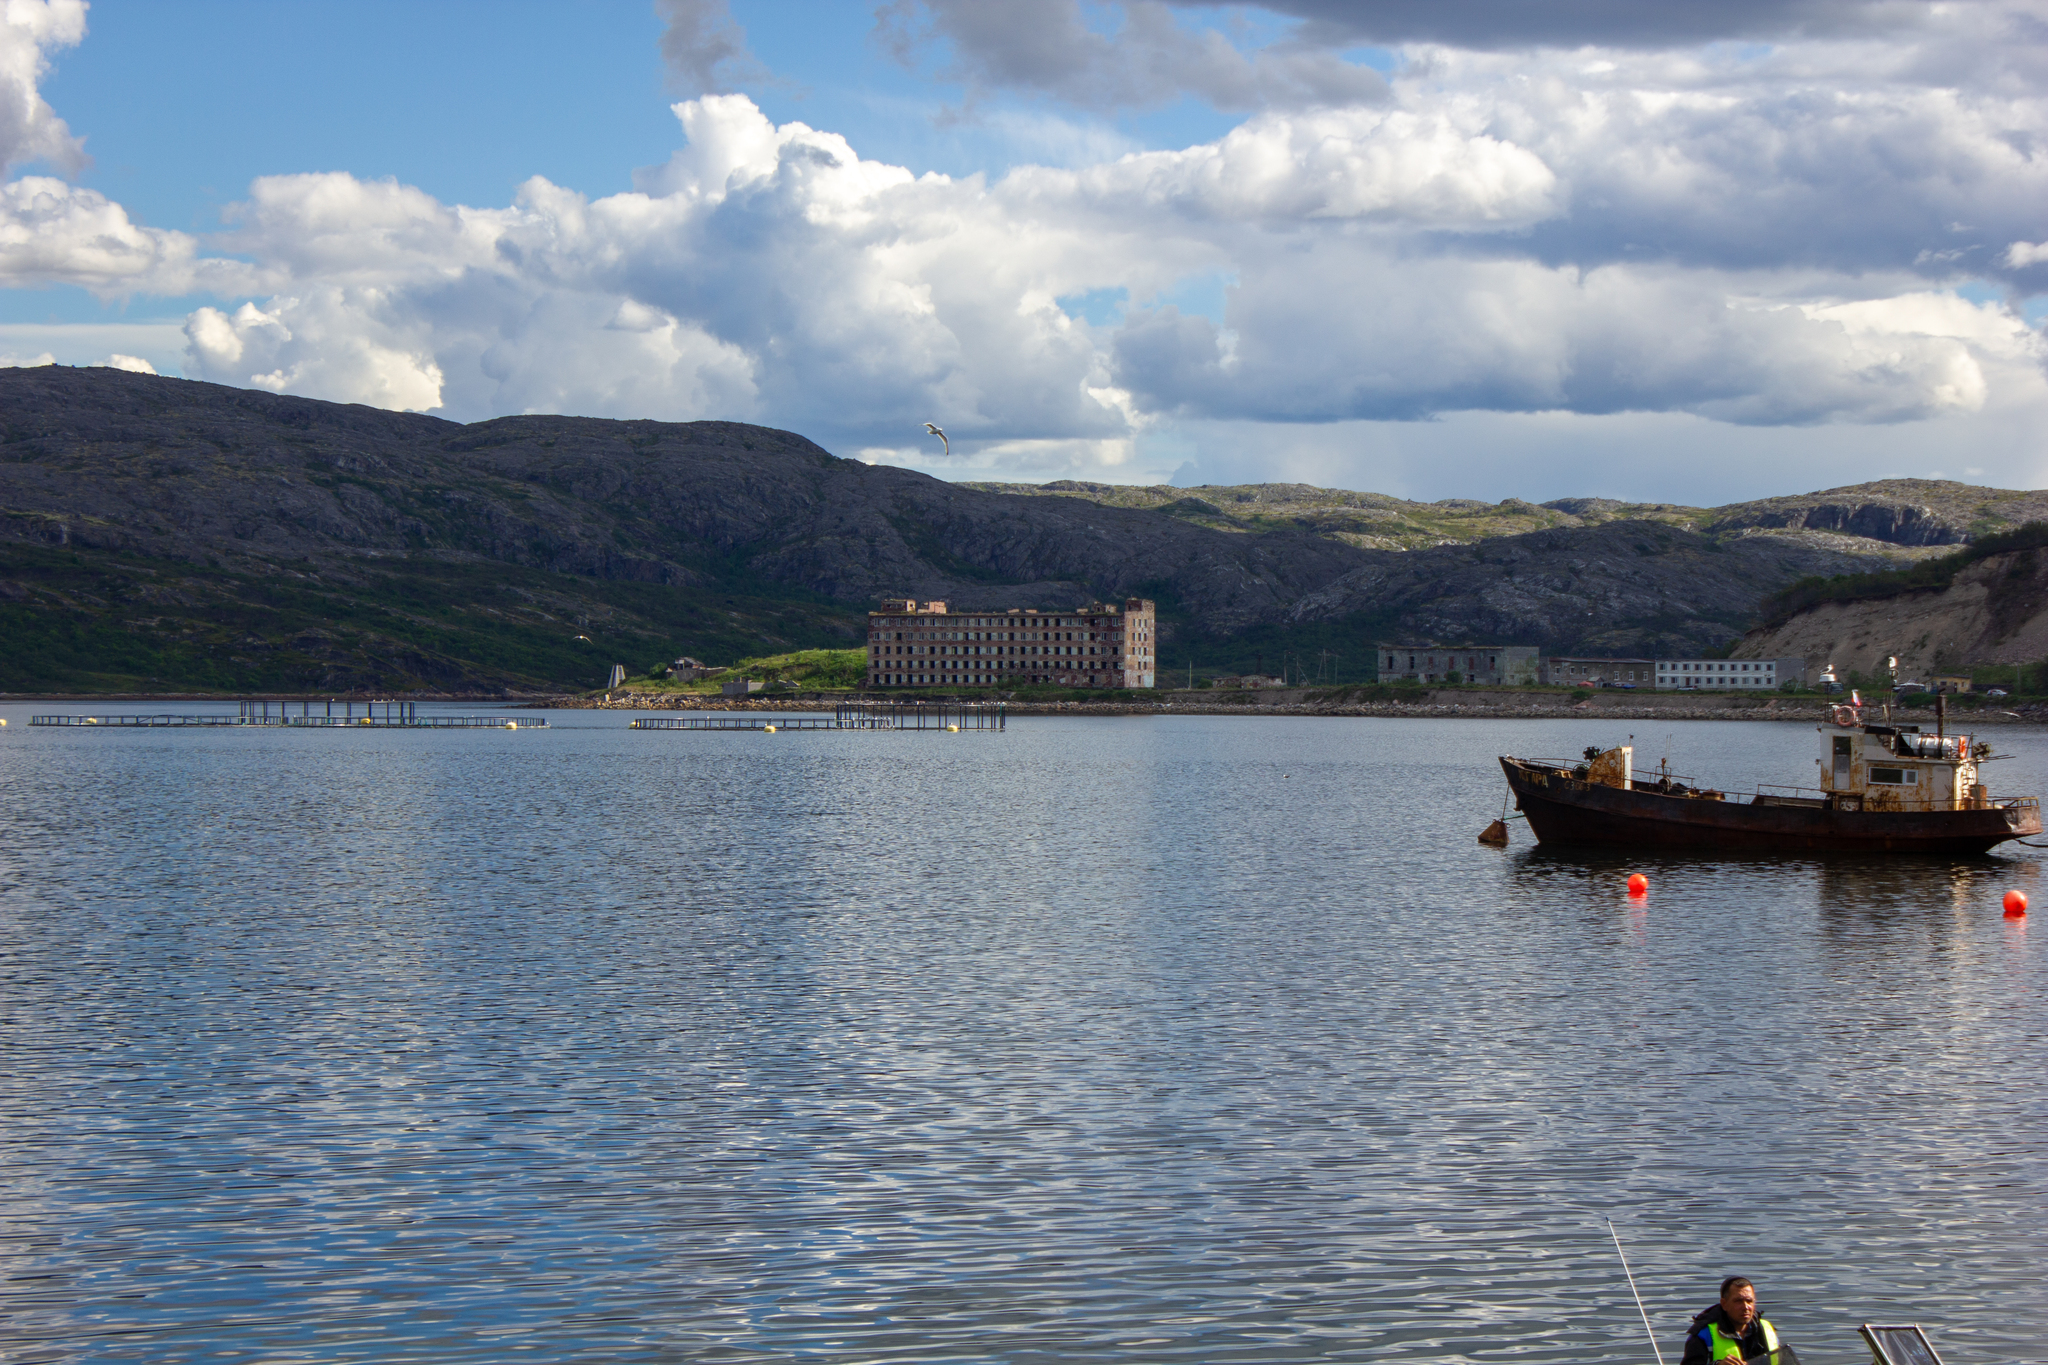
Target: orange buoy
1638	885
2015	905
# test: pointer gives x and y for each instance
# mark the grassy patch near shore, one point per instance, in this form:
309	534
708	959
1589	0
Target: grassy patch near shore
809	670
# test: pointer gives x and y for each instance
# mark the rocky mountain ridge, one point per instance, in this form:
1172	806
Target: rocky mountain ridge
187	533
1903	512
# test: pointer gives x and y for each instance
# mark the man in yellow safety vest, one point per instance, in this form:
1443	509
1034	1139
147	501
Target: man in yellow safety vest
1731	1330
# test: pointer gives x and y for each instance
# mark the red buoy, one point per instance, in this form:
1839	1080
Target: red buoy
2015	905
1638	885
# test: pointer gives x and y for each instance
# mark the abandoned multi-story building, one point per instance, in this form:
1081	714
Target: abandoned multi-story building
922	644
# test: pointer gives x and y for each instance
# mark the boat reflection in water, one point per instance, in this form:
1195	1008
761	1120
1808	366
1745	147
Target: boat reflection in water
1884	789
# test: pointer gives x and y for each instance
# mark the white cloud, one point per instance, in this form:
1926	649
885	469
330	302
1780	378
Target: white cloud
29	129
1830	156
55	233
1755	238
771	273
1410	169
134	364
1397	338
346	344
15	362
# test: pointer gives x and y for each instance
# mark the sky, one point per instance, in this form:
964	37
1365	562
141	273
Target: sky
1645	249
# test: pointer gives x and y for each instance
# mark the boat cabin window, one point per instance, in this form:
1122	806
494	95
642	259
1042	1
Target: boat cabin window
1896	776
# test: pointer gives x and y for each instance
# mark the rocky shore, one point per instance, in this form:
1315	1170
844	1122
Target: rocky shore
1436	703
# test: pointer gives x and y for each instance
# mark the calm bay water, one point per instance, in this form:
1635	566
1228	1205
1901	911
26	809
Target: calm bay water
1119	1040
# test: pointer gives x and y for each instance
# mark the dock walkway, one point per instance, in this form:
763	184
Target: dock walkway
376	715
918	715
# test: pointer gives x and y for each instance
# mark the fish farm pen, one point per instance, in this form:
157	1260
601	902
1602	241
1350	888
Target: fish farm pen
947	717
377	715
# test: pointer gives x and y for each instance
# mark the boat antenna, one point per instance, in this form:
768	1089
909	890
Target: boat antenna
1632	1290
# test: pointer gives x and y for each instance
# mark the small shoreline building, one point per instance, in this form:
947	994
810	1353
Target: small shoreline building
1498	664
923	644
1684	675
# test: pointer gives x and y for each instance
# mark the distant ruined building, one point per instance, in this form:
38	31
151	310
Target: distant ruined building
1503	664
913	644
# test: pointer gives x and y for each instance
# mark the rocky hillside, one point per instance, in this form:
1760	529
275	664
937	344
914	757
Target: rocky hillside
159	533
167	468
1992	611
1902	512
1371	521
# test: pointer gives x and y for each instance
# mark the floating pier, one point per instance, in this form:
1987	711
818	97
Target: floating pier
375	715
951	717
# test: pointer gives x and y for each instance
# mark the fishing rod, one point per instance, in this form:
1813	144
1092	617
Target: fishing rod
1632	1289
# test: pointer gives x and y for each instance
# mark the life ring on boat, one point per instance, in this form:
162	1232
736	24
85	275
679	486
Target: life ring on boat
1845	717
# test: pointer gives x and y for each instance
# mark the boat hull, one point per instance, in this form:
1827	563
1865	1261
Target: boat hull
1566	810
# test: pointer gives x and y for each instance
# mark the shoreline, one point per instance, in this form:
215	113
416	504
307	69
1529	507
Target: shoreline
1430	704
1425	704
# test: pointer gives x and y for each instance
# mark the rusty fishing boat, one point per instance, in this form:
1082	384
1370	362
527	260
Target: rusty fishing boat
1884	788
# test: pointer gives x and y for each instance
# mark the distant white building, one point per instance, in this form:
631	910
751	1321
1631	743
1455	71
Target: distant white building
1727	674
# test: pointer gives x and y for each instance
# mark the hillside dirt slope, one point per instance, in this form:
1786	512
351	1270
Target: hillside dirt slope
1996	612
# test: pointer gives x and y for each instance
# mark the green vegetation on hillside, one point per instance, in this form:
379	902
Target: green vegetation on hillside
98	621
811	670
1373	521
1941	508
1927	575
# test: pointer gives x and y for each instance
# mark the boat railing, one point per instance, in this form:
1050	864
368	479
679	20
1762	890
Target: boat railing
2032	803
1787	789
1656	780
1659	780
1662	781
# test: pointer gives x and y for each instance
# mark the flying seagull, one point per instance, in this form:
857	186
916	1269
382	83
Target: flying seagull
941	435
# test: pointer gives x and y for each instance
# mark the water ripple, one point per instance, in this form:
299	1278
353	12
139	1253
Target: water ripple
1205	1040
